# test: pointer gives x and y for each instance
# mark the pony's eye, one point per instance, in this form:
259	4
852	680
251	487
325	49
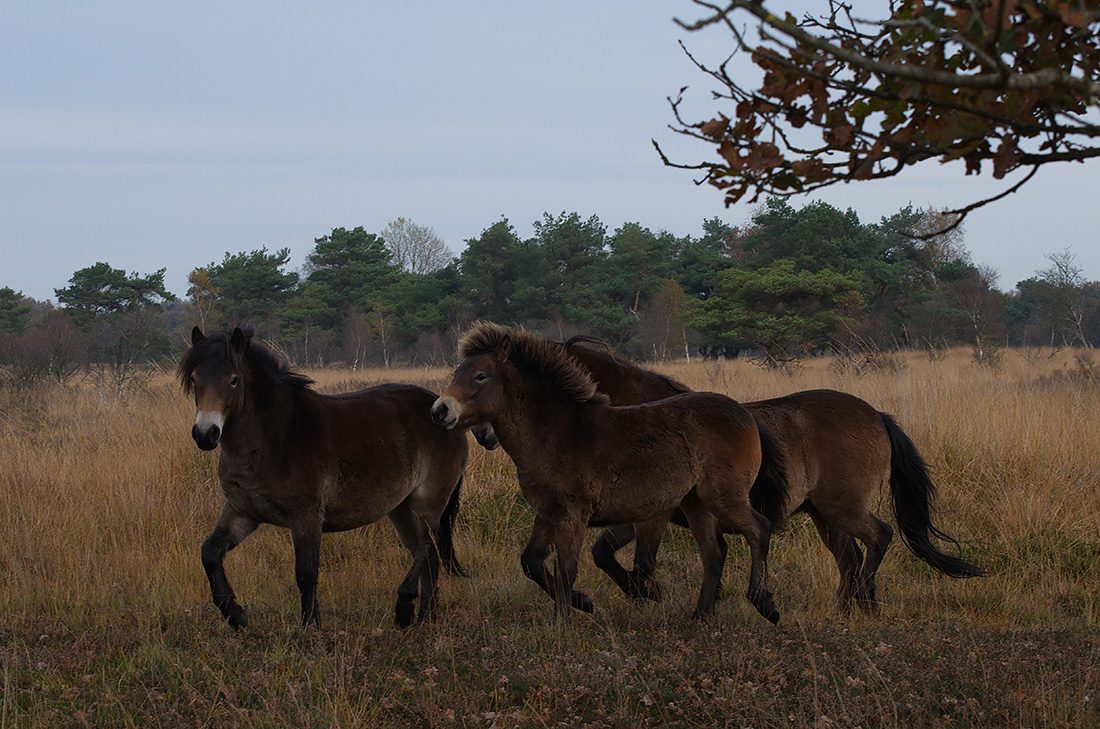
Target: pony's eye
480	377
235	381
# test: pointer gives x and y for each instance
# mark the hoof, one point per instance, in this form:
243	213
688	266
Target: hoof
643	590
582	602
403	614
767	608
651	591
455	569
700	615
865	598
237	616
871	607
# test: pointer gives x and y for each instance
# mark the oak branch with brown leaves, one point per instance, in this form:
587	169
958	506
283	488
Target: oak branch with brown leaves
1003	85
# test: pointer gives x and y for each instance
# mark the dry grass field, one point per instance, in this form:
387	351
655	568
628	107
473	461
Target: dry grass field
105	618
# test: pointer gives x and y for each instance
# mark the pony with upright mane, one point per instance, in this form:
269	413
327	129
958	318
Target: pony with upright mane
839	452
315	463
582	462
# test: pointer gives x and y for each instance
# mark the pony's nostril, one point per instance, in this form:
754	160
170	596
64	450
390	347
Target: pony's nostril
440	411
215	433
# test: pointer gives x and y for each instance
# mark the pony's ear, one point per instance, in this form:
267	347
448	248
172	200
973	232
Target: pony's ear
196	336
504	349
239	340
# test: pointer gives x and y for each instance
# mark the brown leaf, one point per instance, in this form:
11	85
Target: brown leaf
730	153
715	128
1008	154
839	136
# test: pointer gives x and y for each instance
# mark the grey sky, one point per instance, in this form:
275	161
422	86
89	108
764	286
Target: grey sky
152	135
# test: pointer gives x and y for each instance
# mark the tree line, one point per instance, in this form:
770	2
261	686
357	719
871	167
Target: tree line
788	283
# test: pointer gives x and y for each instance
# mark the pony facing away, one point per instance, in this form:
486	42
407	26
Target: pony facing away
840	451
316	463
582	462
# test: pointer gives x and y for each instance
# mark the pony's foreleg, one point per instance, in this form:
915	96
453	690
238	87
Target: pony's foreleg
568	540
306	535
229	531
533	561
610	541
533	558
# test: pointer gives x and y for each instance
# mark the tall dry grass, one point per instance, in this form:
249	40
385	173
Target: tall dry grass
106	619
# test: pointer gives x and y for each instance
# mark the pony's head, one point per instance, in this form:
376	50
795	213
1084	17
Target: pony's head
214	371
492	356
476	391
223	371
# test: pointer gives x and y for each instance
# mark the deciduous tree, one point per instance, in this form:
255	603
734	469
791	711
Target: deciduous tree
1000	85
415	248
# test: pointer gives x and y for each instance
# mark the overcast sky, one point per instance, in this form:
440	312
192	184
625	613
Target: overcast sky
154	135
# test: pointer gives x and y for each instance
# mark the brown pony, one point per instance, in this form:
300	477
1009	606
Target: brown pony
317	463
840	451
582	462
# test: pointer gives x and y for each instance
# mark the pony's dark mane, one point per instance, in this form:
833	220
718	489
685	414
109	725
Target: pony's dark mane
609	353
259	357
532	353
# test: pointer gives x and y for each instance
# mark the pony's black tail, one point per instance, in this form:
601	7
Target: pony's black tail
770	489
914	493
445	540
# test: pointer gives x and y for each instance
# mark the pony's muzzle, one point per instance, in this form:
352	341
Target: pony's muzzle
206	438
485	436
207	430
444	412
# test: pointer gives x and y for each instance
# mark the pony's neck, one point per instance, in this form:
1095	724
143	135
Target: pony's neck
528	425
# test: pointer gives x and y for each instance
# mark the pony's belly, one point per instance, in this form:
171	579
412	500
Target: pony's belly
633	511
356	503
340	520
256	504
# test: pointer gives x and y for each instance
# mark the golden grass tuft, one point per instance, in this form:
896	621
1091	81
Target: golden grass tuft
106	616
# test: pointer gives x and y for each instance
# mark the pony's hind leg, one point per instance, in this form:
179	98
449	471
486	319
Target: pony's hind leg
740	517
649	534
706	530
306	536
412	533
879	536
445	534
846	552
229	531
876	536
429	577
